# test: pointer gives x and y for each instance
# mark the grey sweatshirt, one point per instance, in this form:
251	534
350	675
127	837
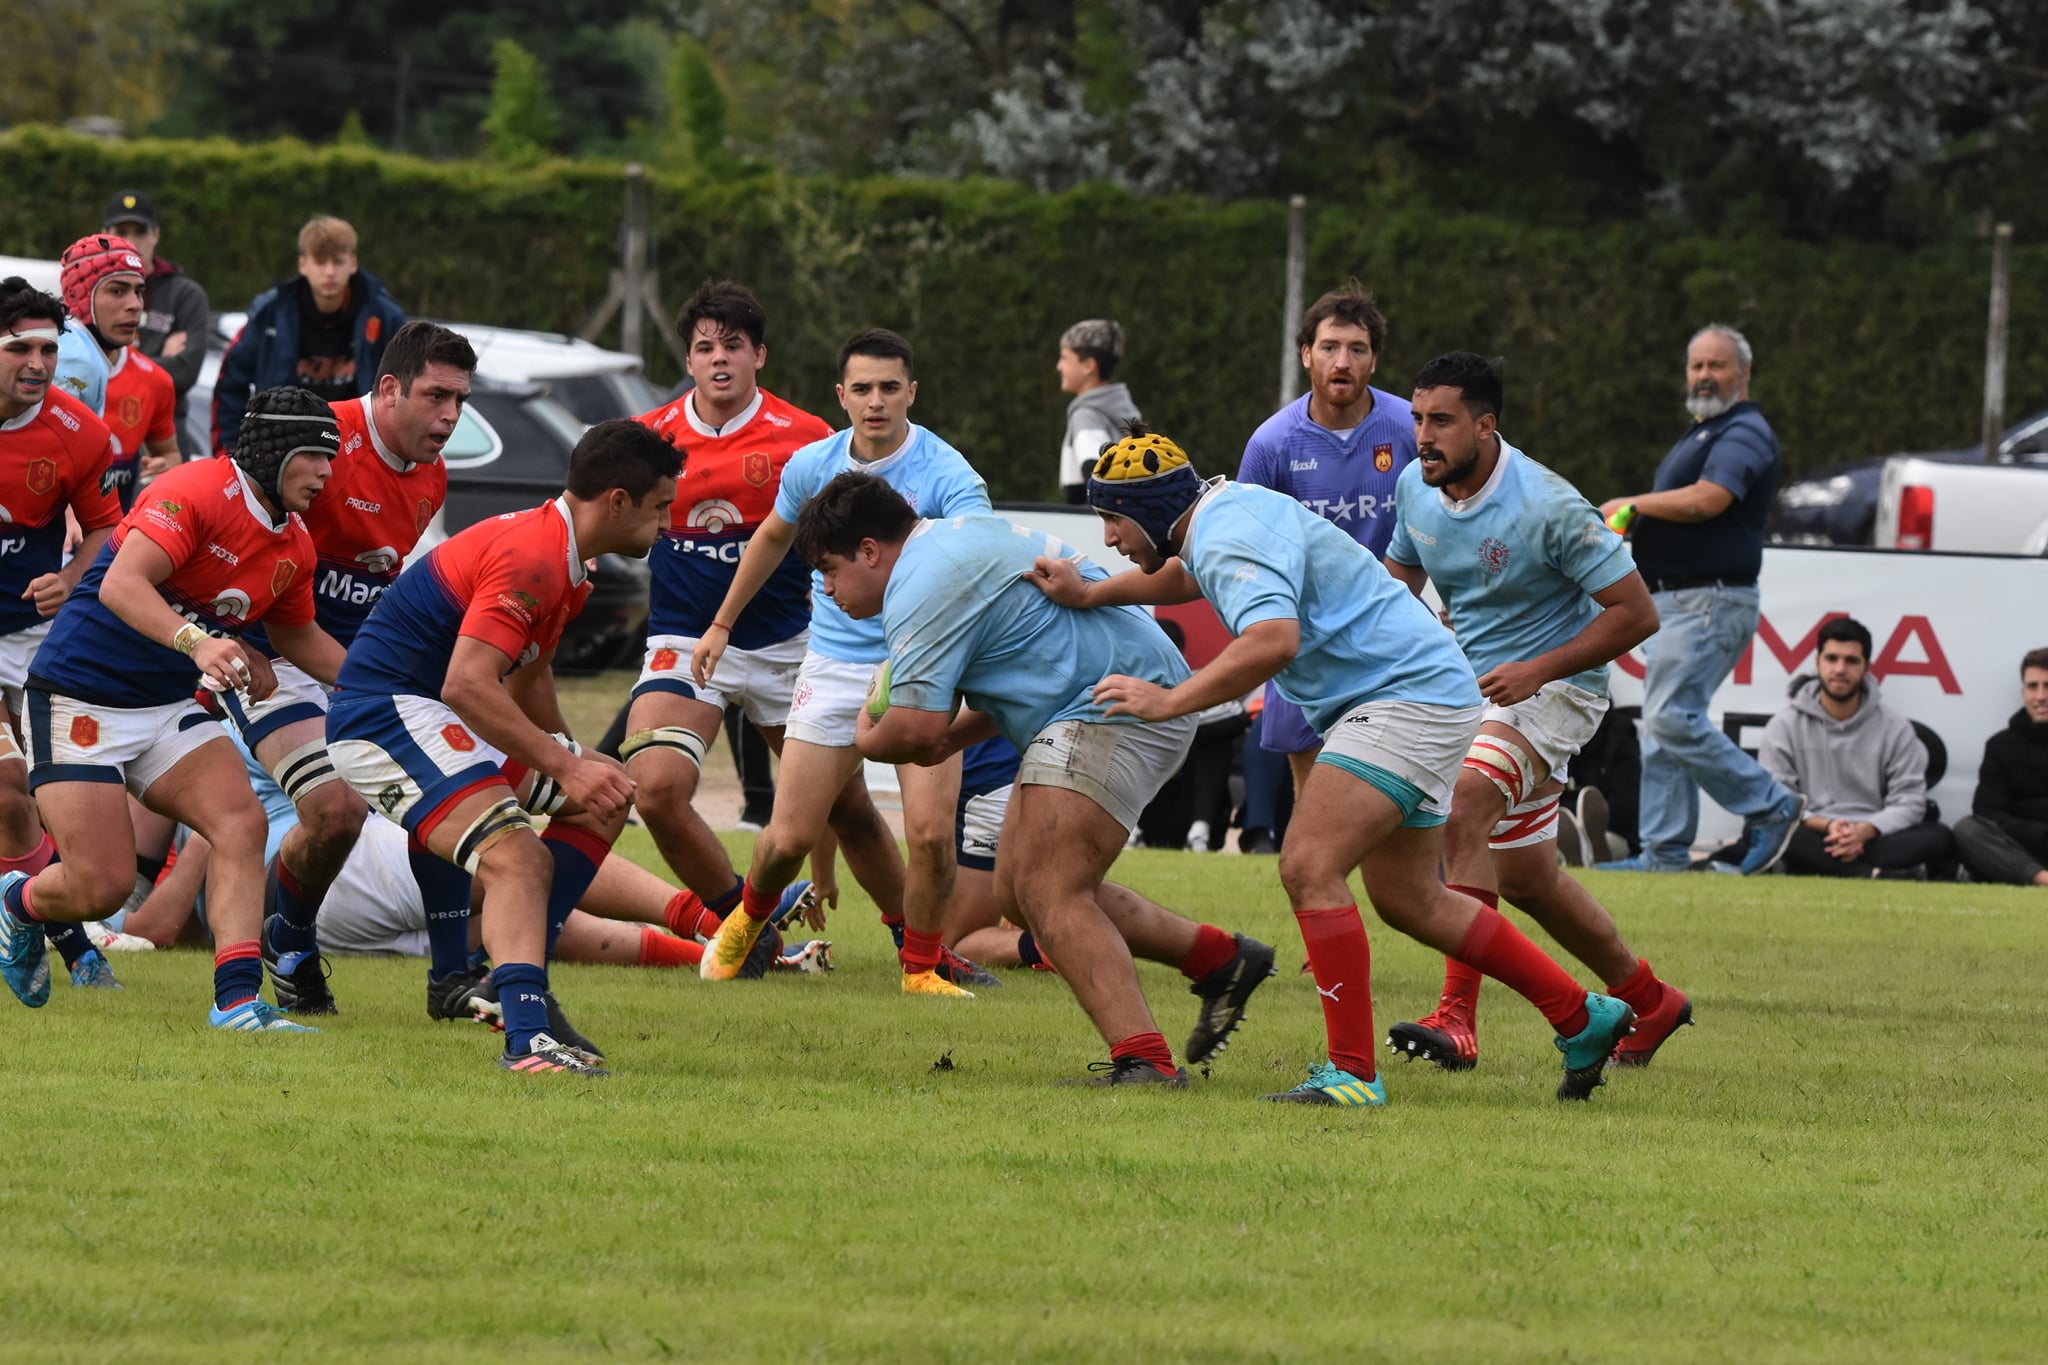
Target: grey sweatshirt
1093	419
1868	767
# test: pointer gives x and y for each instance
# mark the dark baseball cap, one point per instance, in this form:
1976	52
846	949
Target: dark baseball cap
129	206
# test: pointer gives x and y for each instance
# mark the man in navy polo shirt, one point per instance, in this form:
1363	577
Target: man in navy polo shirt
1338	451
1699	543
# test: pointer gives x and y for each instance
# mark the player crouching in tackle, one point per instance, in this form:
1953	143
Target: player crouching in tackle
445	718
961	622
213	548
1395	702
1541	597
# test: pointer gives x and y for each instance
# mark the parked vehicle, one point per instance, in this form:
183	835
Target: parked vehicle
1891	501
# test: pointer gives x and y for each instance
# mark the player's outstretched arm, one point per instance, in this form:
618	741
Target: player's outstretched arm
311	648
766	548
129	591
474	691
1261	651
1061	580
1627	618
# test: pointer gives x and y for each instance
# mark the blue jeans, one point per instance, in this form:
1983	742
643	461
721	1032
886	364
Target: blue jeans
1700	635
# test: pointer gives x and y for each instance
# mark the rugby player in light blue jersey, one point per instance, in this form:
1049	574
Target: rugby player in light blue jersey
962	622
1395	704
1542	596
877	385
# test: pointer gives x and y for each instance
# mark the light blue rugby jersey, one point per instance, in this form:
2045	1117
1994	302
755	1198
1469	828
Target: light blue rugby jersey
1516	564
1261	556
82	367
960	619
933	478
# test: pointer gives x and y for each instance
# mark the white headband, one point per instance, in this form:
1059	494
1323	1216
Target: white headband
38	334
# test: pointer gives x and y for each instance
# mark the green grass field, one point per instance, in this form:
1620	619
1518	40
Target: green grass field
1844	1161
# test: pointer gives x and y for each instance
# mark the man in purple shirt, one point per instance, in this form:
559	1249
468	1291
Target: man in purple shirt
1338	451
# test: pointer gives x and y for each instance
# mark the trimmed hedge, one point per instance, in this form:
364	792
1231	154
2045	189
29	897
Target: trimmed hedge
1861	349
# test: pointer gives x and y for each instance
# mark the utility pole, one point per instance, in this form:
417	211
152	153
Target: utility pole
1995	339
634	286
1290	307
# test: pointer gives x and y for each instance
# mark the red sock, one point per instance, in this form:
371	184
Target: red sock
759	906
33	861
1499	949
1150	1046
686	915
1341	958
659	950
894	921
1642	992
919	953
1213	947
1461	982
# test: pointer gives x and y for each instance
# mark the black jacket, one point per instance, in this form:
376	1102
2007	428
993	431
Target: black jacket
174	302
2012	784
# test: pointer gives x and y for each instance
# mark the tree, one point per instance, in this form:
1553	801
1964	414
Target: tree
521	125
696	108
73	58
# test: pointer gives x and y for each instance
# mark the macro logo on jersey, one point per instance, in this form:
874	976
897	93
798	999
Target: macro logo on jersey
713	515
1383	456
85	731
232	605
41	476
458	739
1493	556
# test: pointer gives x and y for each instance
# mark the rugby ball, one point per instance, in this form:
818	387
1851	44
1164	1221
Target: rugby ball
878	692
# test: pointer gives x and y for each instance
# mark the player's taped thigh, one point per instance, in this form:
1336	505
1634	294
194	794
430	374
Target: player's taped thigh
304	770
1505	763
500	819
1532	822
674	738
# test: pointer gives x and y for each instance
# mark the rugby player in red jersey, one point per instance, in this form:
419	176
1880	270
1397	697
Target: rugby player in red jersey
445	717
54	454
216	547
388	483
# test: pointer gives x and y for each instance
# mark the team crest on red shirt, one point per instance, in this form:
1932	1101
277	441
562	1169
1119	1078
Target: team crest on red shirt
1383	456
459	739
131	410
85	731
281	577
1493	556
757	468
42	476
663	661
422	514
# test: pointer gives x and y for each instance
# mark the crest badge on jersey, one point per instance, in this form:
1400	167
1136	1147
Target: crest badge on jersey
458	739
131	410
1383	456
41	476
281	577
422	514
1493	556
85	731
757	468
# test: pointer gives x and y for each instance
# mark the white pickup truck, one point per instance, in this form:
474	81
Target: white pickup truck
1951	504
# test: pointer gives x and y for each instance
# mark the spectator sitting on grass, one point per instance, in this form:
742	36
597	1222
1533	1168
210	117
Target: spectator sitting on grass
1860	767
2005	837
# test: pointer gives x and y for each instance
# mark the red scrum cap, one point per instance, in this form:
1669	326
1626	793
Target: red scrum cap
91	259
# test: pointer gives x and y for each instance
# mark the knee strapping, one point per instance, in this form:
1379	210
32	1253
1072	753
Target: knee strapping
504	818
674	738
1530	823
1504	763
304	770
